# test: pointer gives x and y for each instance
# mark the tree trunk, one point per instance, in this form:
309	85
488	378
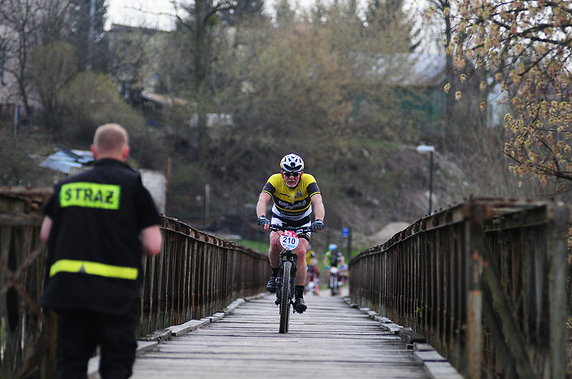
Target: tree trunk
200	58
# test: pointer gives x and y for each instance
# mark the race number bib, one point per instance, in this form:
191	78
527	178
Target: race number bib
289	241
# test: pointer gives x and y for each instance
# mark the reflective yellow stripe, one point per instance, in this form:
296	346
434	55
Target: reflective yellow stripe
93	268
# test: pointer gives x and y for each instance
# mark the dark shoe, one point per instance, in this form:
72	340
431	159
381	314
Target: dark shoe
271	285
300	305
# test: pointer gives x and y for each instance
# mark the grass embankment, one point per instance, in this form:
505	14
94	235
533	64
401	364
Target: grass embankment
260	246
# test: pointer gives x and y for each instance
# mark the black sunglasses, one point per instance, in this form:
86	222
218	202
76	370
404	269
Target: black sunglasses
288	174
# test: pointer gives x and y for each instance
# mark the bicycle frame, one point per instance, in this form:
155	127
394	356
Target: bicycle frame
287	272
286	286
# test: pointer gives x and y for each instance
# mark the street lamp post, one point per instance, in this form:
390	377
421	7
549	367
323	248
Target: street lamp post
423	149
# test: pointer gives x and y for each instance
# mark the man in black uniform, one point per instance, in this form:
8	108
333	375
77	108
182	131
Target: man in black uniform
97	226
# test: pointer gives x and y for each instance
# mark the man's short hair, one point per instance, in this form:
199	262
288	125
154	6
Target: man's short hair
110	137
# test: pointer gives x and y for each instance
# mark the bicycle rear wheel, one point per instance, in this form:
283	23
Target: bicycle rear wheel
285	297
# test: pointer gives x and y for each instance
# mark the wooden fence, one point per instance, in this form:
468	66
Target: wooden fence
195	275
484	282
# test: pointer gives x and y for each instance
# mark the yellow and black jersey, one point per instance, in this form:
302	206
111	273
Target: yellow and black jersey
292	203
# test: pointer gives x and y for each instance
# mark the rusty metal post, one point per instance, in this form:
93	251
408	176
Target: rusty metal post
473	249
509	324
557	251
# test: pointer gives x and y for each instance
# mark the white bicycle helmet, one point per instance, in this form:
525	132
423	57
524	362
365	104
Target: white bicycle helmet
292	163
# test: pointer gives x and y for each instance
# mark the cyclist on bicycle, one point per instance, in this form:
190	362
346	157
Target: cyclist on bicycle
313	273
295	195
332	256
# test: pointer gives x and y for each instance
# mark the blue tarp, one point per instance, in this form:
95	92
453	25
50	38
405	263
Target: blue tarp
64	160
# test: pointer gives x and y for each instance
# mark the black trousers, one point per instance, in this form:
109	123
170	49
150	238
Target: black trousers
80	332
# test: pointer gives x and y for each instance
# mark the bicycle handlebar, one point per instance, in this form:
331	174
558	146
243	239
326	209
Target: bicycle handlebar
297	229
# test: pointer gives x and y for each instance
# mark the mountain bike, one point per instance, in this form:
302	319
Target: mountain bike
289	240
334	283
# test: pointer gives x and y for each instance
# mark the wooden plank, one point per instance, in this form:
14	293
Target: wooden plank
188	326
331	339
441	370
431	356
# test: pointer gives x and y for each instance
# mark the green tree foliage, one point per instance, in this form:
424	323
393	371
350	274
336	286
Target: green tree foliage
86	33
53	16
52	66
199	27
175	64
385	19
24	25
242	10
17	168
464	123
133	58
191	55
470	130
289	88
92	99
528	44
285	13
377	50
294	88
299	83
281	88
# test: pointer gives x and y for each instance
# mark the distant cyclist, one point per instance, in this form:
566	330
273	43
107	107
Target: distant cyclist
332	256
313	273
295	195
343	273
310	254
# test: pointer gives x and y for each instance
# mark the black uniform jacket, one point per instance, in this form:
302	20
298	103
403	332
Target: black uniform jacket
94	251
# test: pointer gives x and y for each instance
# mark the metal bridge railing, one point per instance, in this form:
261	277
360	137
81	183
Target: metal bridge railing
484	282
195	275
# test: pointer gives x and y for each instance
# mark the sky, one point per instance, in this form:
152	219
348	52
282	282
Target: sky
148	13
151	13
160	13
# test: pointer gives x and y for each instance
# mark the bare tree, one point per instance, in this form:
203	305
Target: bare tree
86	21
26	24
528	44
203	17
52	66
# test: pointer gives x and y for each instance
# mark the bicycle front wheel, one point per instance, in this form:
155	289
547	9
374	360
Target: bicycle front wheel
334	285
285	297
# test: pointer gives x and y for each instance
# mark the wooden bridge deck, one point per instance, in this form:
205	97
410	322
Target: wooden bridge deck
329	340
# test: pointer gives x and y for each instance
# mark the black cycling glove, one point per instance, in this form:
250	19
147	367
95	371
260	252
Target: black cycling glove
317	225
262	220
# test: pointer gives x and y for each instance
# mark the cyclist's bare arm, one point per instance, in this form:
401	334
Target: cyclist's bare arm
261	206
318	206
